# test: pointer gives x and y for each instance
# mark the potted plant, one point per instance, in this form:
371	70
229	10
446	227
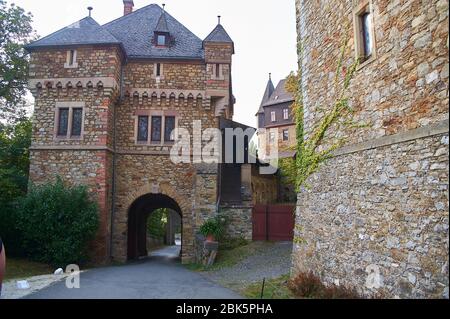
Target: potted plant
212	229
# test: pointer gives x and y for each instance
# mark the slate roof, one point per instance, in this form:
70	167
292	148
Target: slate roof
280	95
267	94
162	24
85	31
136	31
218	35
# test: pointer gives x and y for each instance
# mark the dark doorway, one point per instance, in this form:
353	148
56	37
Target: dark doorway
138	215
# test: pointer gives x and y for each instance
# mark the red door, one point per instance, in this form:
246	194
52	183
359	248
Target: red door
273	222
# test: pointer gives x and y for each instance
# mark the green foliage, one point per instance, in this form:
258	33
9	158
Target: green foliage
14	166
156	224
315	147
15	32
57	222
214	226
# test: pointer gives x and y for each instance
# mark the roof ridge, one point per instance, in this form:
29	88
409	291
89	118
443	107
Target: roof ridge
130	14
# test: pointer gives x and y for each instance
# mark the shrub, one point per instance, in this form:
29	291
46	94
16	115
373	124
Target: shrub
57	223
308	285
214	226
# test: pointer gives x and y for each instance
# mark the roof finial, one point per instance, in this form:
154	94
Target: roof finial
90	11
218	17
270	76
164	7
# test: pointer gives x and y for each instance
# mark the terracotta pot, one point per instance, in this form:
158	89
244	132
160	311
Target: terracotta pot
210	238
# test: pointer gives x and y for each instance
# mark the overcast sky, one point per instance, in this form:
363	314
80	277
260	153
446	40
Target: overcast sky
263	32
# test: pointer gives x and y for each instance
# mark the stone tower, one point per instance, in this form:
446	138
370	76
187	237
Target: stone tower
376	215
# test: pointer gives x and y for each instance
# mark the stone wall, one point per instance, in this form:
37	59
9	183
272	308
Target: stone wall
240	223
376	215
386	207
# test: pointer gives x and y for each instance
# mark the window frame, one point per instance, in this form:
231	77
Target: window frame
273	116
138	140
359	11
71	106
286	134
151	114
71	59
286	114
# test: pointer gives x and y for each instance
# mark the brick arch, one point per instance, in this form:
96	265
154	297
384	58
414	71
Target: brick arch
161	188
140	203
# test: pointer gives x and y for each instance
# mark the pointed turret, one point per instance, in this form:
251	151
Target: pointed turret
270	88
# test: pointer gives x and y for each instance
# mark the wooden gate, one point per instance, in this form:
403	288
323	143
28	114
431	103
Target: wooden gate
273	222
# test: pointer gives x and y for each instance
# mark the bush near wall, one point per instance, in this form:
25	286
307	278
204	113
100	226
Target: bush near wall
57	222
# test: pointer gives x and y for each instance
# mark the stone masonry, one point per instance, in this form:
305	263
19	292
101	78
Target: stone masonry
376	216
115	86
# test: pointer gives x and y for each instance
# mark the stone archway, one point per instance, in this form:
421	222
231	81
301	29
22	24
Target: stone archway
138	214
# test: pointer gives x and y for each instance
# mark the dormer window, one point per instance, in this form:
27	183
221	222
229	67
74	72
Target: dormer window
161	40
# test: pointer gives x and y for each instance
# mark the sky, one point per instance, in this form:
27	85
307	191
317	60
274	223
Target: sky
263	31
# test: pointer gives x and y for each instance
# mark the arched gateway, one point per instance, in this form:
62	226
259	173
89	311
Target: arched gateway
138	214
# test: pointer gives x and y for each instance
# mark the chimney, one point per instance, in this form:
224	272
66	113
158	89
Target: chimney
127	7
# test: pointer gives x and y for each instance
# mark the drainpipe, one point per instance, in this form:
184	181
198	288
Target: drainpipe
114	165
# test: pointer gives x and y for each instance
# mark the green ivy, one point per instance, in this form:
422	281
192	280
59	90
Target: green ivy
314	148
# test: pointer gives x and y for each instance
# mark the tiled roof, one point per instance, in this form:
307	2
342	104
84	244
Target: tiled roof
218	35
85	31
136	31
280	95
267	94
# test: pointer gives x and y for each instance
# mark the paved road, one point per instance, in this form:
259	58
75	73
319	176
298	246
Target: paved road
160	276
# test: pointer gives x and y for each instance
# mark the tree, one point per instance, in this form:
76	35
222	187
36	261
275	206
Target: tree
15	32
14	166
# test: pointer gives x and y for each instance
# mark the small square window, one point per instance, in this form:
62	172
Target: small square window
161	40
285	135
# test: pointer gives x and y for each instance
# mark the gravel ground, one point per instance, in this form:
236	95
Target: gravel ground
271	260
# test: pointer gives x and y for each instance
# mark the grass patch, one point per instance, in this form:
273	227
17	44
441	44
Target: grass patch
273	289
22	268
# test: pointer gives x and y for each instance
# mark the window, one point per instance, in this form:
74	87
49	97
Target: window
63	122
69	120
217	70
364	33
142	129
156	128
285	135
169	129
77	122
272	137
161	40
71	60
158	69
286	114
273	116
367	34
